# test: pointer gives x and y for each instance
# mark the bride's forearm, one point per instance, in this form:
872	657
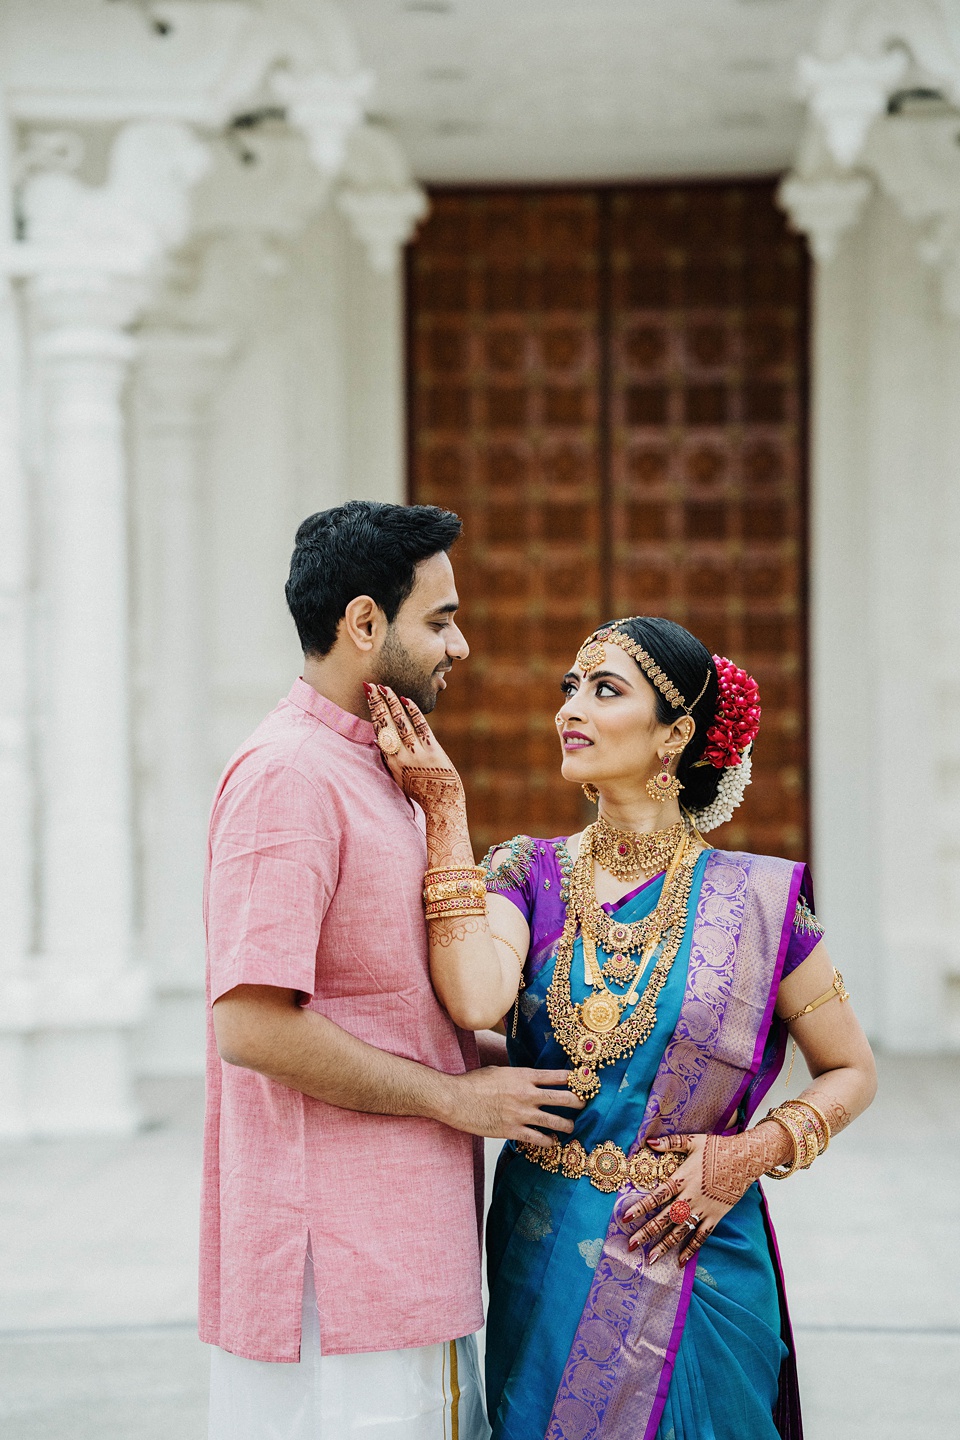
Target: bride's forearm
473	982
842	1094
444	806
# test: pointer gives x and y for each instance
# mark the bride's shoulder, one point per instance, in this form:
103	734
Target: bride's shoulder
508	864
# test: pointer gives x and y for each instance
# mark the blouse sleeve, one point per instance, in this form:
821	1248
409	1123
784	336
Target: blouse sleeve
805	935
514	874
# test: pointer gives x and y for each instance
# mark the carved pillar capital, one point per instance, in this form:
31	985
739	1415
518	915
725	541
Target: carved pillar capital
326	107
823	208
847	94
383	221
379	196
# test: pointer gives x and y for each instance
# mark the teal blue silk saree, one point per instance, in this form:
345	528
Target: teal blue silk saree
584	1338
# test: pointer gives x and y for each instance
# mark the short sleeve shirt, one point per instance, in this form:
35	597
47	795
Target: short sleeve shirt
314	877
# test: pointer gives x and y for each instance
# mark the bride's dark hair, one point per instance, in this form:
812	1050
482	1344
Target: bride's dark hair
687	662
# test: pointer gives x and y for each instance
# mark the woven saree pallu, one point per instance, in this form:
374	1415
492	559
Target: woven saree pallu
722	1057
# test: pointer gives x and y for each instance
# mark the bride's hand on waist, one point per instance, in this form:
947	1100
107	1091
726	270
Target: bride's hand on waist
682	1212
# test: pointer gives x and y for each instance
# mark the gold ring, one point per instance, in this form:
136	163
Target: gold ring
388	742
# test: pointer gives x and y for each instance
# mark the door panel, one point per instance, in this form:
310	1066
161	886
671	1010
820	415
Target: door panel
609	386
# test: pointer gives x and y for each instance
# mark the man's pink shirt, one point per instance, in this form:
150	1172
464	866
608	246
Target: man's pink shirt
314	875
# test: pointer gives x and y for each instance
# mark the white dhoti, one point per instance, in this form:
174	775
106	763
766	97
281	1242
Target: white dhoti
430	1393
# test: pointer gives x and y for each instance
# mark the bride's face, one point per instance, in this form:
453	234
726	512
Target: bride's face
608	722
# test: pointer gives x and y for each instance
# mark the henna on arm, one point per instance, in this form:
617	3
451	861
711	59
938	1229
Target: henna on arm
838	1116
451	931
439	793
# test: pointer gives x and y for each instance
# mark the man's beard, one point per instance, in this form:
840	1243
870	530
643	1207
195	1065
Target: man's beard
397	668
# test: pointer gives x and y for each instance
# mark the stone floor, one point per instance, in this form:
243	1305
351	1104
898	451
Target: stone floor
98	1255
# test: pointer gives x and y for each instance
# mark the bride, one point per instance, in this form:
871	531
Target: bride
635	1291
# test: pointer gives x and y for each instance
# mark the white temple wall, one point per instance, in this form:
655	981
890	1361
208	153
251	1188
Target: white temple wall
305	411
885	550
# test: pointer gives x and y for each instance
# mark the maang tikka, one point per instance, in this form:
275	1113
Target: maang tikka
664	786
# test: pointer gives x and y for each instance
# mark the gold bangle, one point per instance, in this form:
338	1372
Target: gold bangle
821	1121
460	872
801	1127
811	1128
504	941
452	889
450	909
778	1172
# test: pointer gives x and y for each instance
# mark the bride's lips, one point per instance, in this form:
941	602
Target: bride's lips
574	740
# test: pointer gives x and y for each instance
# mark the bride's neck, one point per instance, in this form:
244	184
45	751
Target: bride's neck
638	812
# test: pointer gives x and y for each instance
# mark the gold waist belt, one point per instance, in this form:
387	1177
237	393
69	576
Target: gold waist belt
606	1166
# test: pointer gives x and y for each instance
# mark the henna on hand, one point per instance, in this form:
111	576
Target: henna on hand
668	1190
670	1241
693	1243
398	715
419	723
731	1163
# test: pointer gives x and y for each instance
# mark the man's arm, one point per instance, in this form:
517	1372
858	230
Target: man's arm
263	1028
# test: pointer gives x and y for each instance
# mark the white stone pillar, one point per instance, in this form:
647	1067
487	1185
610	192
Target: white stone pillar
177	372
16	781
90	260
842	664
91	990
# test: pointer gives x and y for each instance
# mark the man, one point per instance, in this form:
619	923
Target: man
340	1264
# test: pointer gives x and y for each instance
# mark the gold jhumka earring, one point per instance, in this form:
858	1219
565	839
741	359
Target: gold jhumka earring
664	786
591	792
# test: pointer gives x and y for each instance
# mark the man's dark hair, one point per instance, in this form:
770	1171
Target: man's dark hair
361	548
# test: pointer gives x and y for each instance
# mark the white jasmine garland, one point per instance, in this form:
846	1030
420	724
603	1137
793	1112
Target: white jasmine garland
733	782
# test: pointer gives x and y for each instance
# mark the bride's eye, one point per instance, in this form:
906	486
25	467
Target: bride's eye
605	685
567	687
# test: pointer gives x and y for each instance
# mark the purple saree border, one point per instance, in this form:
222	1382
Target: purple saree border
620	1366
688	1275
793	894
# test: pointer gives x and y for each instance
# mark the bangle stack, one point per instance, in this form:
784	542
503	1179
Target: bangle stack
809	1130
448	894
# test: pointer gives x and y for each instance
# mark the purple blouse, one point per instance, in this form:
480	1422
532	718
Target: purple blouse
535	874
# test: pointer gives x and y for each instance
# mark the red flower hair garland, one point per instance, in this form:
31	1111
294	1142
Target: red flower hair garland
738	716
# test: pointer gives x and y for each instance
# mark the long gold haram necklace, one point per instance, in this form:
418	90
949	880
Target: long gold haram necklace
591	1032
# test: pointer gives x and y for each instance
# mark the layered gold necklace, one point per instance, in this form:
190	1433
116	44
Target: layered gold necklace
628	855
593	1032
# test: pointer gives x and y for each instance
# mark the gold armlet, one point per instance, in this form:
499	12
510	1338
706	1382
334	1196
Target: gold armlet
837	991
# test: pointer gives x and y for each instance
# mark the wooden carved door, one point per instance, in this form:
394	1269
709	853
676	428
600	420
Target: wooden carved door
608	385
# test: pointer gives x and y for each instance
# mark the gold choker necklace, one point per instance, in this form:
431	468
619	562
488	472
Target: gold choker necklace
627	855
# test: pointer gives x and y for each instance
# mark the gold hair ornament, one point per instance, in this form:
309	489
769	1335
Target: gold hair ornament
592	655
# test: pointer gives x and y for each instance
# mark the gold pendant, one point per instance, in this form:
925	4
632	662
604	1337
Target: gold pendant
583	1082
600	1013
620	968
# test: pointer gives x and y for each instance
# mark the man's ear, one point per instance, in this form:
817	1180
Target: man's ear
364	624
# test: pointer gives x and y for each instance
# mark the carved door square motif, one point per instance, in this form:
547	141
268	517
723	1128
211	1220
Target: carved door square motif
609	386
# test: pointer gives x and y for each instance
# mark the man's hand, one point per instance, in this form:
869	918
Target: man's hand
264	1028
505	1103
